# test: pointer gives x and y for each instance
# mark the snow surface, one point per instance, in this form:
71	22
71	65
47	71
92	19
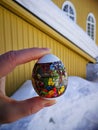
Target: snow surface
77	109
48	12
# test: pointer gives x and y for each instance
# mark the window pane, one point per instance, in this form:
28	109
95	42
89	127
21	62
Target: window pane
89	18
65	8
92	27
71	10
89	24
92	20
88	33
72	18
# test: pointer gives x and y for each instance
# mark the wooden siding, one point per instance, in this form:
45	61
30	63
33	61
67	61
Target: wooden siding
17	33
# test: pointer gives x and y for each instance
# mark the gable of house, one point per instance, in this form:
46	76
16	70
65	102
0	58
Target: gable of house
83	8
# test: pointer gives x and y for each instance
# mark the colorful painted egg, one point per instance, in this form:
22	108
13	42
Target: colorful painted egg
49	77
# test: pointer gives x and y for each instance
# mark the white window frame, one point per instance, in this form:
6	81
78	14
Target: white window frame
73	8
94	24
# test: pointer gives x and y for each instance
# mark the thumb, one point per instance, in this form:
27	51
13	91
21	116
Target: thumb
19	109
33	105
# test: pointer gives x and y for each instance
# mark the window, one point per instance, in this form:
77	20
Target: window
69	9
91	26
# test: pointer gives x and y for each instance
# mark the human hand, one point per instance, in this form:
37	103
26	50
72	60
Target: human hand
10	109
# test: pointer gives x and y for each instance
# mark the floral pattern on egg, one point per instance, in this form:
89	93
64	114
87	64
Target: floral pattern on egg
49	79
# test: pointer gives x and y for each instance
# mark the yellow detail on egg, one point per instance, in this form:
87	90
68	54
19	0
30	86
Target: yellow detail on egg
50	82
61	90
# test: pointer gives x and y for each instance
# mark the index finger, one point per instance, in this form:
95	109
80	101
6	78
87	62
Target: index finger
11	59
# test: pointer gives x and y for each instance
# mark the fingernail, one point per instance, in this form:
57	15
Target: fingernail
48	49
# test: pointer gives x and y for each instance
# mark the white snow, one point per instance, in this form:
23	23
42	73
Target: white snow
77	109
47	11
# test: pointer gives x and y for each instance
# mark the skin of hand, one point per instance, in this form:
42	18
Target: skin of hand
10	109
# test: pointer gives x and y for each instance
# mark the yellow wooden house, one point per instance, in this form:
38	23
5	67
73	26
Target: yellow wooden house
68	27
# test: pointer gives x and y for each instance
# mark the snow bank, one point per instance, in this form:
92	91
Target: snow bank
47	11
77	109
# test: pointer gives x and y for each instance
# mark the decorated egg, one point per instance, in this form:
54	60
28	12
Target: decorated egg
49	77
